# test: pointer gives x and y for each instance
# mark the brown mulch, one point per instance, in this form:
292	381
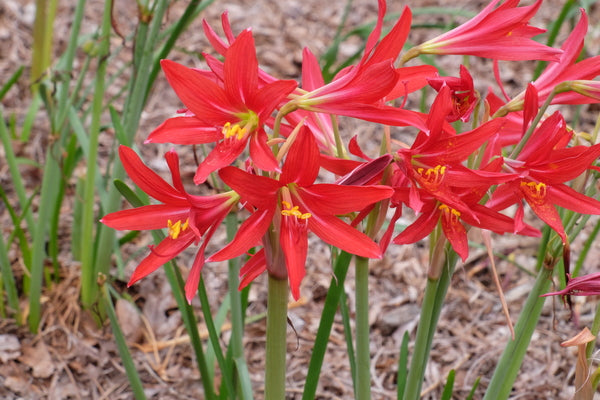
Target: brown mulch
74	358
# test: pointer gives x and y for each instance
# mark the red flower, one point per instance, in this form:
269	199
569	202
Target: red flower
294	204
359	91
543	166
189	219
503	33
566	69
231	114
464	95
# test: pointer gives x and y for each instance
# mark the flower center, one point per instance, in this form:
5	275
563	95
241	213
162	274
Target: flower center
535	190
432	178
234	131
290	211
176	228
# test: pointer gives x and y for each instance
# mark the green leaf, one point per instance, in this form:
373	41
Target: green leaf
447	393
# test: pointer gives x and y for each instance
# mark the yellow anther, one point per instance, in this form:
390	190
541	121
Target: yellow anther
235	130
290	211
449	212
176	228
432	176
536	189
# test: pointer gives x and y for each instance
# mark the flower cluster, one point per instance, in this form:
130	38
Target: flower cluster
271	138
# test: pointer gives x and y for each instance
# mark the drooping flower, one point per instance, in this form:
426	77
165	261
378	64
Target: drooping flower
501	33
189	219
294	204
585	285
231	114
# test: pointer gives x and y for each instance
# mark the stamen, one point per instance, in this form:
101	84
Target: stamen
432	177
290	211
450	213
537	190
176	228
235	130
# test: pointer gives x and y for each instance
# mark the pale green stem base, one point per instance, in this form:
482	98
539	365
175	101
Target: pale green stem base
276	339
363	354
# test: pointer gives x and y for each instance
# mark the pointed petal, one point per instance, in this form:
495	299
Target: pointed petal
224	153
256	265
260	191
248	235
193	279
270	96
334	199
241	68
302	161
149	217
148	180
184	130
293	238
261	153
337	233
159	255
202	96
422	227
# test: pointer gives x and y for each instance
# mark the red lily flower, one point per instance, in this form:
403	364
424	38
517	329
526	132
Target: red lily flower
360	91
189	219
543	166
231	115
294	204
503	33
566	69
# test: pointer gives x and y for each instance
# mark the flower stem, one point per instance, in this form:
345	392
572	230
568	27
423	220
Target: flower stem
510	362
276	339
363	355
435	292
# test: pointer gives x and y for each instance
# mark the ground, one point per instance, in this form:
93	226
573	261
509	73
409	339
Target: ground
73	358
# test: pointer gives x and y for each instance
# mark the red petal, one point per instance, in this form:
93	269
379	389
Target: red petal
248	235
260	191
201	96
294	243
335	232
338	199
148	180
302	161
145	218
241	68
255	266
184	130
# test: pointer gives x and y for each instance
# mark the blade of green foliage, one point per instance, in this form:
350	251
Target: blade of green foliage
10	82
345	312
402	366
472	392
9	284
326	322
447	392
134	379
226	368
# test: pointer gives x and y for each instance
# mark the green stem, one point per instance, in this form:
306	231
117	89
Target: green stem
276	339
435	292
89	288
237	319
510	362
363	354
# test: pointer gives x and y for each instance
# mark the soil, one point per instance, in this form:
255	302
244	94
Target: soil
72	357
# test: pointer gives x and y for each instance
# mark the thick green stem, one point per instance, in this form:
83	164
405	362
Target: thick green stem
435	292
363	354
276	339
510	362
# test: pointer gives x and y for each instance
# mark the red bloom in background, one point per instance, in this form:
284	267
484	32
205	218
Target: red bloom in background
503	33
231	114
294	204
586	285
189	219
